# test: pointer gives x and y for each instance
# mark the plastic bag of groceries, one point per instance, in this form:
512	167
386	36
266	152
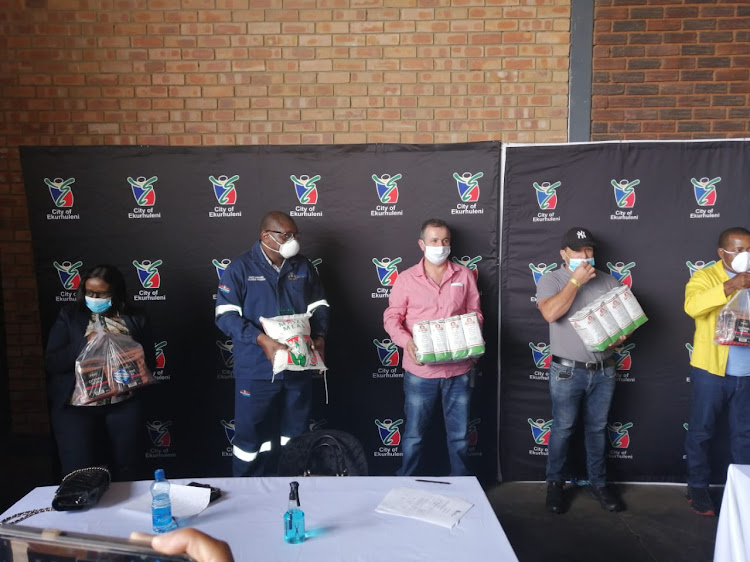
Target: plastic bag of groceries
733	322
111	364
293	330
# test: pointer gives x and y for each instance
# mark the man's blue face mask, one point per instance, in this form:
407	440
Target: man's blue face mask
575	262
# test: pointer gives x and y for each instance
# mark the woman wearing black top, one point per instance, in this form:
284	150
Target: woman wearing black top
109	431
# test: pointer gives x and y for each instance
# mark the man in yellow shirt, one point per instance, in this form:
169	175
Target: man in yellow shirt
720	374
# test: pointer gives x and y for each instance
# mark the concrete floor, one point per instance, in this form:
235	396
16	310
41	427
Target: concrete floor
658	524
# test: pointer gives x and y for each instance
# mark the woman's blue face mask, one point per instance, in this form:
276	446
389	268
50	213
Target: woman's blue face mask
98	306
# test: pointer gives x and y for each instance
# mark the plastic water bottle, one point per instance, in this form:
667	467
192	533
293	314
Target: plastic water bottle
161	504
294	518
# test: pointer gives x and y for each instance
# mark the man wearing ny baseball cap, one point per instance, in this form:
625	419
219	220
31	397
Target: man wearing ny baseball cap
581	381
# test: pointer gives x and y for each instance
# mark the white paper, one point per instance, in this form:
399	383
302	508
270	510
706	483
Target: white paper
186	501
438	509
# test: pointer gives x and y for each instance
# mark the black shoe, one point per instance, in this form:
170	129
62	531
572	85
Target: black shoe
700	500
555	497
607	498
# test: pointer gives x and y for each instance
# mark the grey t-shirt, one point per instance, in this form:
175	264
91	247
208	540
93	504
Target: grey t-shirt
564	341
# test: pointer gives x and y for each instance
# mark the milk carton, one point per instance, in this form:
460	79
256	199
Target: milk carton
456	339
422	336
440	340
473	334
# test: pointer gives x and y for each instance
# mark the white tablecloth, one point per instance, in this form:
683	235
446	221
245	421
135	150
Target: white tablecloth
733	531
340	519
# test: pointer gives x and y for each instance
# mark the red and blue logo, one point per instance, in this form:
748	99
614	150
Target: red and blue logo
158	431
693	267
621	272
387	353
546	195
161	360
59	190
541	354
148	273
224	189
624	193
225	350
618	434
473	434
68	274
623	357
468	186
228	429
305	188
387	187
540	430
220	266
297	354
469	262
387	270
389	432
705	191
143	190
540	269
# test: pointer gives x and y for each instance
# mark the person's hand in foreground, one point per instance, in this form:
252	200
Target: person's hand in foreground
194	543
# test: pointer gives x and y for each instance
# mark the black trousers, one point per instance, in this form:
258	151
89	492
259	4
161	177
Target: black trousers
111	435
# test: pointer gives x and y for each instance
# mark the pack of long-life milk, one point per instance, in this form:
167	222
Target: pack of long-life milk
456	340
618	311
293	330
631	305
606	320
590	330
440	340
422	336
473	334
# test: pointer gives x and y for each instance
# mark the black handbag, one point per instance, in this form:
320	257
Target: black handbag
81	488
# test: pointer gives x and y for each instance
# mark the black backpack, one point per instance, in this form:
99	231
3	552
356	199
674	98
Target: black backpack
323	452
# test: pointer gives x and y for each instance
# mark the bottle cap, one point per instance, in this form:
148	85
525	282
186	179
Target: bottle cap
294	492
159	474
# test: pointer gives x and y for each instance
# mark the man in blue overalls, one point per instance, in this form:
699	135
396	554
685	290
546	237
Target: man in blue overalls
268	280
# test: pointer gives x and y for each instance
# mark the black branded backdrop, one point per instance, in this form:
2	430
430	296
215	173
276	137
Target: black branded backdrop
170	218
657	209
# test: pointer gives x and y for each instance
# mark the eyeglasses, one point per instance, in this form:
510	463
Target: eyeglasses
286	236
98	295
734	252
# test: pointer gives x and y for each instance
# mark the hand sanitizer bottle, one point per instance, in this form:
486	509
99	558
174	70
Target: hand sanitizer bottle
294	518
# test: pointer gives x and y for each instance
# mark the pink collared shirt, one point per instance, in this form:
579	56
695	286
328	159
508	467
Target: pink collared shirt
415	297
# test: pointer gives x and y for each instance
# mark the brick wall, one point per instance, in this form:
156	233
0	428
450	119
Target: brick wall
667	69
226	72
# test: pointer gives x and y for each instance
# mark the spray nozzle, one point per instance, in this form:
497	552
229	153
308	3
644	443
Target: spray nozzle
294	492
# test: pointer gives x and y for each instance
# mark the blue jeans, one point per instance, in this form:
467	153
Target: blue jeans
573	390
420	397
710	394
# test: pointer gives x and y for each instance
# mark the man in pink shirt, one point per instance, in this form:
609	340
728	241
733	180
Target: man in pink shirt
432	289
